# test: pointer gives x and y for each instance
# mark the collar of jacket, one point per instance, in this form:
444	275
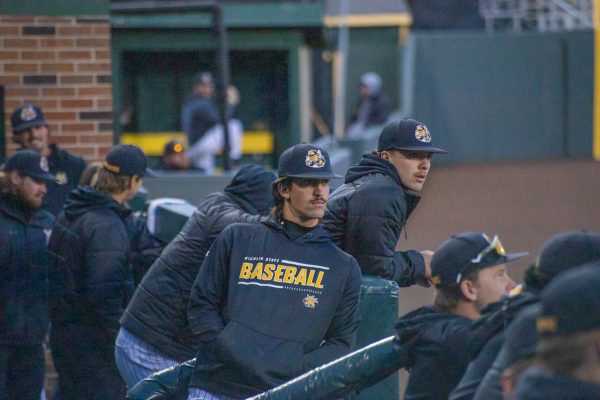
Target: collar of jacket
318	234
15	208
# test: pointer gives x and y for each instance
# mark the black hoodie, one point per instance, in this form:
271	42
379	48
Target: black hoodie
271	303
365	217
435	348
90	278
536	384
157	313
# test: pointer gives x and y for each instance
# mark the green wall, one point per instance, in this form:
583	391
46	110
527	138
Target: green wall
505	96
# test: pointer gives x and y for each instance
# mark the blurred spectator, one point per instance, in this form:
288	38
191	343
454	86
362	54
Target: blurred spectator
24	233
30	130
175	157
373	107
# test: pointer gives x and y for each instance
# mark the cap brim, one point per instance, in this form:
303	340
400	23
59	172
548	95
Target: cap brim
425	149
312	175
27	125
44	177
514	256
150	173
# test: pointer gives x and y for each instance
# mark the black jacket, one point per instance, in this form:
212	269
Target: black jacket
490	328
23	272
198	115
157	312
67	168
365	217
536	384
434	347
90	276
268	306
379	109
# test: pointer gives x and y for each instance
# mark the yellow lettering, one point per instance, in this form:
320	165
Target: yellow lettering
301	277
319	279
257	273
290	274
245	271
278	273
311	275
268	272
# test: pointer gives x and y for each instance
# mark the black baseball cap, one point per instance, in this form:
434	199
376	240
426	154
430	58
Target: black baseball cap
203	78
407	134
26	116
571	303
30	163
521	335
126	160
305	161
566	251
173	147
462	254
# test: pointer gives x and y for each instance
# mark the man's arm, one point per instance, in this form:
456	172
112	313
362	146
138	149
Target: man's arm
209	292
375	221
341	335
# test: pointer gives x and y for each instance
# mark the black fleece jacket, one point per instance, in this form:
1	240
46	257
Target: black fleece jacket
536	384
157	312
268	304
365	217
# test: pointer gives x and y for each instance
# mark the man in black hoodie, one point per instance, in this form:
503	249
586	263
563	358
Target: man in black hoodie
275	299
434	342
568	354
366	215
90	277
155	333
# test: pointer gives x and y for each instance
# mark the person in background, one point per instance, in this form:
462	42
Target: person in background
373	107
90	277
175	157
31	131
24	232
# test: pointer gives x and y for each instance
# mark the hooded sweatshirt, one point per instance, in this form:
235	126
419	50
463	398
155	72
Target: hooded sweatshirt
435	346
365	218
271	302
90	278
157	313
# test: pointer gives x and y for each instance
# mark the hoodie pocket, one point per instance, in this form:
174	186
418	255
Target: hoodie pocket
269	359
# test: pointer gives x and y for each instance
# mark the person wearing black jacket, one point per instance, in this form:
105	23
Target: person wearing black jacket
24	232
434	342
560	253
90	277
366	215
567	365
275	299
31	131
155	333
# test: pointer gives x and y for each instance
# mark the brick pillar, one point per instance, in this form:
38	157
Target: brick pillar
61	64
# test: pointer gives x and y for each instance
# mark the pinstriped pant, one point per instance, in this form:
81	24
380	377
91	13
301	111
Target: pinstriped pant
199	394
136	359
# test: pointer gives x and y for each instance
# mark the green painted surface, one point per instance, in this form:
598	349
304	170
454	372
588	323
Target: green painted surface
54	7
493	97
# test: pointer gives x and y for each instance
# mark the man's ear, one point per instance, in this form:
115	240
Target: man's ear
385	155
15	177
468	290
284	191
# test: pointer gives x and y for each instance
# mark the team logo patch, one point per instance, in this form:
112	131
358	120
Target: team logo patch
61	178
314	159
422	134
28	113
310	301
44	164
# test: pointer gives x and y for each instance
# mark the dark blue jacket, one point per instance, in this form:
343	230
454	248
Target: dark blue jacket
67	168
268	307
23	272
536	384
434	347
365	217
198	115
157	312
90	276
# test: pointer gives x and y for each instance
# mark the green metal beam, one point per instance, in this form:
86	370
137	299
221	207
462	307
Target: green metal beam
54	8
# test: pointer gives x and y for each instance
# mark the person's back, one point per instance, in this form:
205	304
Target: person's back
365	216
90	277
157	314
